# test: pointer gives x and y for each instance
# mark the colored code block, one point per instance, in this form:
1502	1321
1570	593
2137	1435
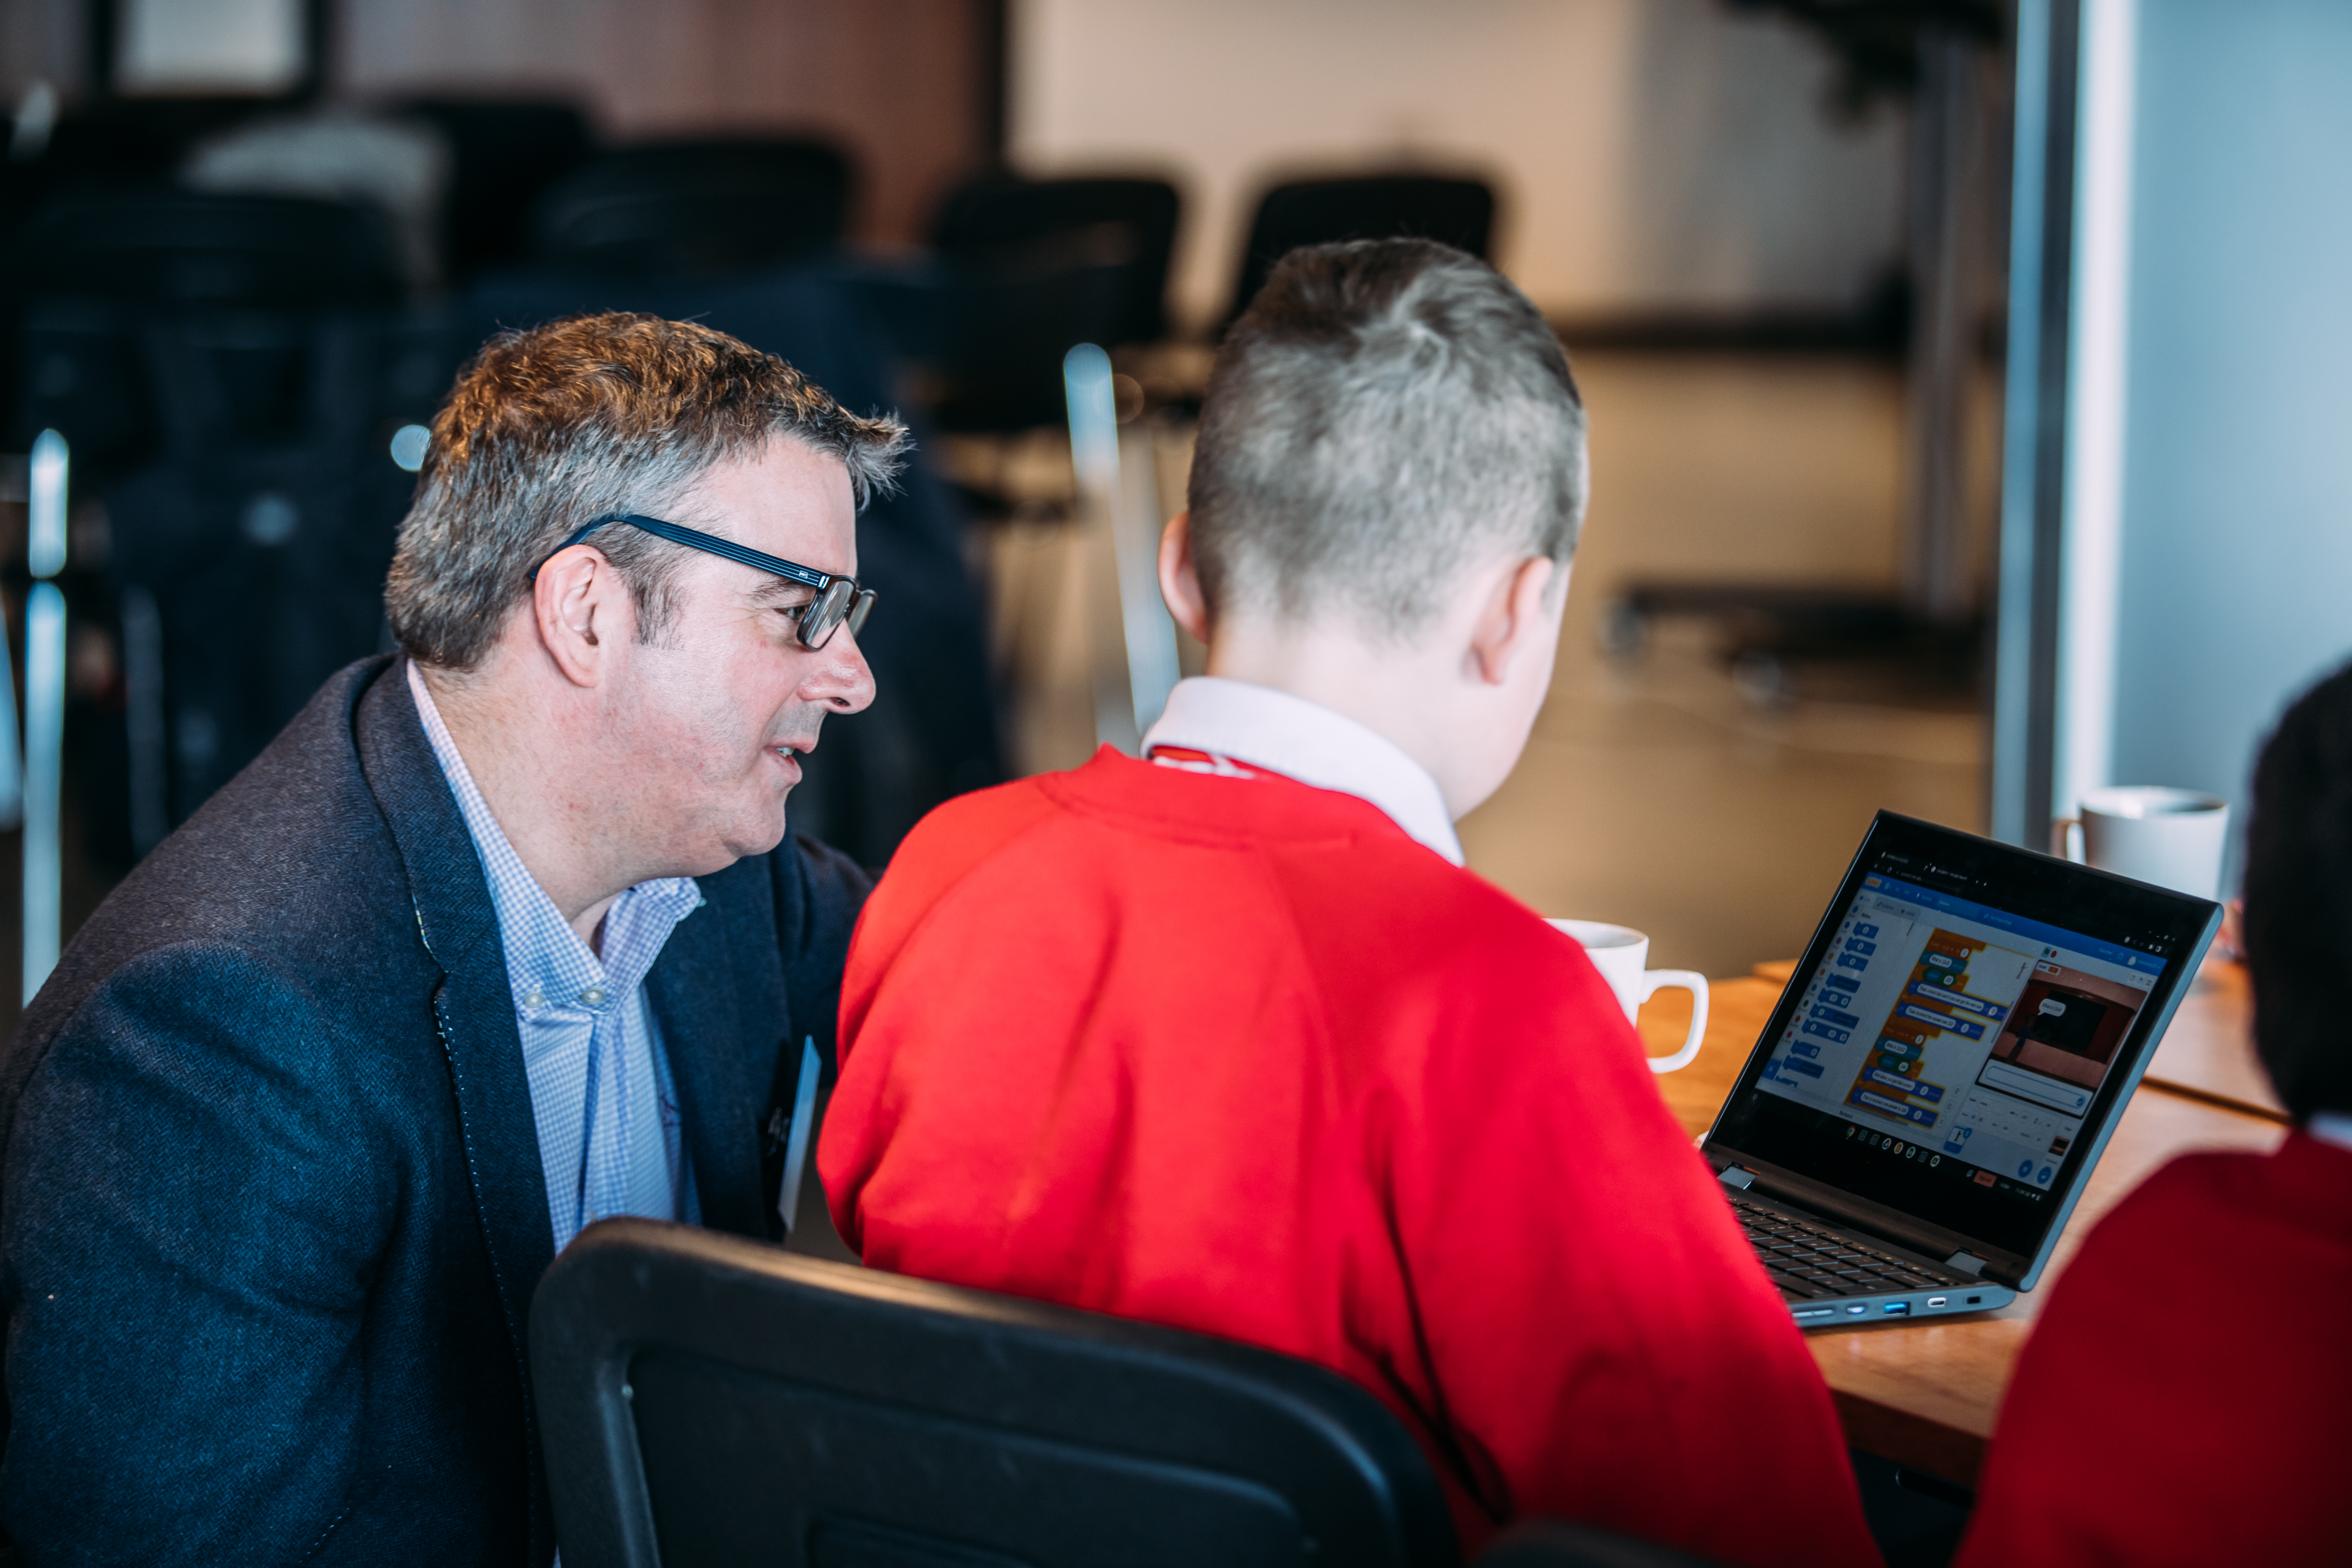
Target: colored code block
1935	992
1803	1048
1824	1031
1862	929
1811	1069
1848	961
1944	1020
1842	982
1855	944
1830	1015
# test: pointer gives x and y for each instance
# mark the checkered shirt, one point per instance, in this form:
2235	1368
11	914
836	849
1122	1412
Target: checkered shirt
609	1133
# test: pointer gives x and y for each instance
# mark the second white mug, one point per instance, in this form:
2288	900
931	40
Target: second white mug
1623	955
2172	838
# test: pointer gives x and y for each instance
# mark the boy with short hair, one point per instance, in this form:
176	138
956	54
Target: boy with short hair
1227	1039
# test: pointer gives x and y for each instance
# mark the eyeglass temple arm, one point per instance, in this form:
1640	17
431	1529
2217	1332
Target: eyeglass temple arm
694	539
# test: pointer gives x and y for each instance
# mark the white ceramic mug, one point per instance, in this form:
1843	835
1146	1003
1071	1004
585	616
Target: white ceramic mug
1621	954
2172	838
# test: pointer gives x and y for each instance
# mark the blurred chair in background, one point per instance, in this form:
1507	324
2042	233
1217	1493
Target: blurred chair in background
709	1400
397	168
228	370
997	212
1456	212
503	154
696	208
1026	270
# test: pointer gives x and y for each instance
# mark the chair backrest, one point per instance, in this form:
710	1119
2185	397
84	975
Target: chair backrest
674	208
206	249
502	156
990	214
1456	212
707	1400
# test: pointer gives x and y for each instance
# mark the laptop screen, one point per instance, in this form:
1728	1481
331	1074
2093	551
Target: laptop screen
1960	1034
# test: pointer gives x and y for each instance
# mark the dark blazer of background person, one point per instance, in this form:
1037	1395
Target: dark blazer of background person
273	1104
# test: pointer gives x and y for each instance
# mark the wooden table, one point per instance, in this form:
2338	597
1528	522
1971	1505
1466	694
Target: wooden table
1925	1395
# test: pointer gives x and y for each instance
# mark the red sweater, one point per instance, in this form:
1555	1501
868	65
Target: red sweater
1240	1056
2187	1396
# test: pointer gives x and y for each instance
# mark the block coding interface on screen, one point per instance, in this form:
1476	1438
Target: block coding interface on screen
1962	1042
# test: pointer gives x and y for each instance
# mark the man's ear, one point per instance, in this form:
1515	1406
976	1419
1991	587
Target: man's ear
1516	618
1180	580
583	611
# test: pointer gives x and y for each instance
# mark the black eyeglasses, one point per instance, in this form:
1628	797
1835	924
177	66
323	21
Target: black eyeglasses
839	600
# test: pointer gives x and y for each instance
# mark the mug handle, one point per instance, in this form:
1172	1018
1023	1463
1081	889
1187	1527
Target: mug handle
1689	979
2062	838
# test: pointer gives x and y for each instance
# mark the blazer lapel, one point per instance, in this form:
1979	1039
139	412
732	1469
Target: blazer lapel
474	1010
721	1084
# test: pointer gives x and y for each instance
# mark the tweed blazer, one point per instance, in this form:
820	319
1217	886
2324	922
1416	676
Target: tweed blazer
271	1209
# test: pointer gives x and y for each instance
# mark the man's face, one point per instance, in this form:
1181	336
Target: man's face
714	715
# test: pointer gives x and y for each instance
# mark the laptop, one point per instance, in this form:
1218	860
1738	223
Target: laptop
1925	1106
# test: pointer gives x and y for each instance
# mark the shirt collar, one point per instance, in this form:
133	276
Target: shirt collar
548	966
1305	740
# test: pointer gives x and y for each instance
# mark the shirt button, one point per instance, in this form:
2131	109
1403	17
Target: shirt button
593	997
537	998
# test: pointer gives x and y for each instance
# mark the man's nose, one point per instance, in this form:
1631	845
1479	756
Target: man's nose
842	680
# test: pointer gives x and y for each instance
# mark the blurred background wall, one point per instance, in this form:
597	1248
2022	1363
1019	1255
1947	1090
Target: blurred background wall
1657	156
1726	206
907	86
2237	502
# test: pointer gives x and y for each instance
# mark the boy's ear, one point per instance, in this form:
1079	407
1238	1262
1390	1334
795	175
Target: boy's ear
1516	618
1179	581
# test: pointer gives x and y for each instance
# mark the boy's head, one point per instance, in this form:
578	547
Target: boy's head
1385	415
1387	486
2299	899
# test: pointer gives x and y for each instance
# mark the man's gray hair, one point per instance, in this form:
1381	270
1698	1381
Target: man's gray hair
1386	415
550	428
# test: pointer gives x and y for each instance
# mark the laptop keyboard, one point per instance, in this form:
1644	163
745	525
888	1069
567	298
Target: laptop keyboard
1810	1262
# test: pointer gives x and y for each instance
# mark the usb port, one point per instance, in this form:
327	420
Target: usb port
1937	1301
1897	1309
1807	1313
1974	1300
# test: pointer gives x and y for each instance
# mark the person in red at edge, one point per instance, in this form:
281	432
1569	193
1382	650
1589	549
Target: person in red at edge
2148	1427
1228	1040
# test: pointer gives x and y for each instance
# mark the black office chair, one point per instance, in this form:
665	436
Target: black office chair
1556	1543
682	209
986	217
707	1400
503	153
196	248
91	273
226	370
1456	212
1000	321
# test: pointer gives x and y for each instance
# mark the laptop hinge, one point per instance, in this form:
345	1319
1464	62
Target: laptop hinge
1737	1176
1967	1263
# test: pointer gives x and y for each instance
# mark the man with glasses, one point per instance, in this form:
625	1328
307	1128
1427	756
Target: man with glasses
503	936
